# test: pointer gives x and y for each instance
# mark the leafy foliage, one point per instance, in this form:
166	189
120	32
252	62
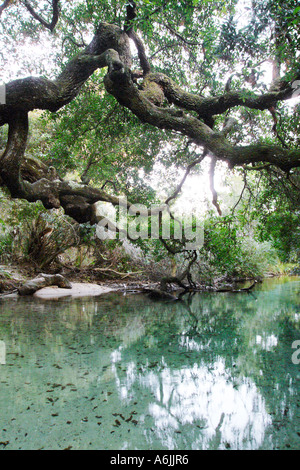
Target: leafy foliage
207	47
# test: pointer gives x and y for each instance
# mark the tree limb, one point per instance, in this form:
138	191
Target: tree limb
209	106
55	15
129	30
44	280
121	86
212	185
110	48
4	5
187	172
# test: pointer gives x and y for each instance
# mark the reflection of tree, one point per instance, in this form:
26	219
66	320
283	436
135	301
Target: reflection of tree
187	403
192	319
278	381
211	328
196	368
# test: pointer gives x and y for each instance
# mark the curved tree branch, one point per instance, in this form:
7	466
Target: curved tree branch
31	93
110	48
78	200
129	30
206	107
4	5
122	87
187	172
55	15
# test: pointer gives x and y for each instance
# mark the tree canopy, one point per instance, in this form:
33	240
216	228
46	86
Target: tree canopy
123	85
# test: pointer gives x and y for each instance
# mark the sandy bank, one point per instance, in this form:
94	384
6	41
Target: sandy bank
77	290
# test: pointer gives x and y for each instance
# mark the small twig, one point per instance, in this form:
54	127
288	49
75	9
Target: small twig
77	44
212	184
112	183
167	46
240	198
187	172
179	36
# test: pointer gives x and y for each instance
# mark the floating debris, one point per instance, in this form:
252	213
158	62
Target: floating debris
4	443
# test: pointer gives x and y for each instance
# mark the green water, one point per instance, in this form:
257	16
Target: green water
216	371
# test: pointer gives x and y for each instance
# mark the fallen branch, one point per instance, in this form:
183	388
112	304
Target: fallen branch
244	289
44	280
123	275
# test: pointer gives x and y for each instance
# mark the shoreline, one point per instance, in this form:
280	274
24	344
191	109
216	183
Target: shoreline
12	277
77	290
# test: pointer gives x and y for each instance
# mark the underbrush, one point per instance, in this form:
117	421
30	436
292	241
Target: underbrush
49	240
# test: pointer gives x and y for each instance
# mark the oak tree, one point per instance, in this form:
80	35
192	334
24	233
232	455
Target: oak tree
198	76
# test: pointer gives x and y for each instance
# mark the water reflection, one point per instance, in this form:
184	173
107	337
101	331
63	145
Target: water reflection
201	407
122	372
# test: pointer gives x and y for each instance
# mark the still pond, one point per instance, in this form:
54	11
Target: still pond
215	371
